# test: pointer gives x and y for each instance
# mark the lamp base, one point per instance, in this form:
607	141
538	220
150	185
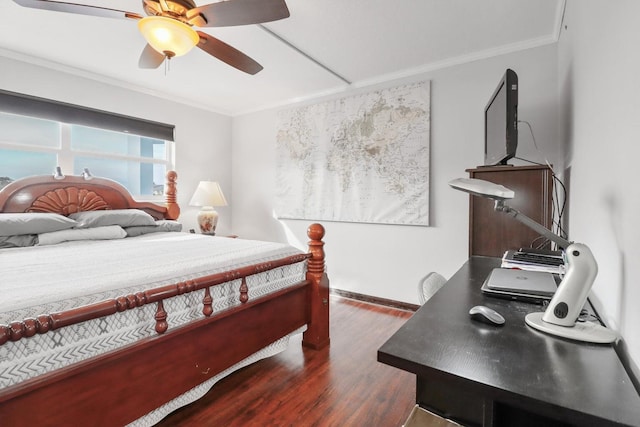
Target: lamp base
581	331
208	220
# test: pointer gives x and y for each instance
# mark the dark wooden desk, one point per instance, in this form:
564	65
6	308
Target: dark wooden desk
478	374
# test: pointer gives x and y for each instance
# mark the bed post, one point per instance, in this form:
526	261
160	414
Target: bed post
317	334
173	209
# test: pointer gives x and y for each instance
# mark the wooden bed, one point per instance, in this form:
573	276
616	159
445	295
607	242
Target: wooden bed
121	386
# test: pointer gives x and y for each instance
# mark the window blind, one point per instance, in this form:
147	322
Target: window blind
27	105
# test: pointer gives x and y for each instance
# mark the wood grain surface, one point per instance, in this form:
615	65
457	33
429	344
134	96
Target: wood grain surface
340	385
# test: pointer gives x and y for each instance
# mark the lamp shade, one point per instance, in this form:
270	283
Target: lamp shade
482	188
208	193
168	36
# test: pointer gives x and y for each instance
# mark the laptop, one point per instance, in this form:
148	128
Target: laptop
525	285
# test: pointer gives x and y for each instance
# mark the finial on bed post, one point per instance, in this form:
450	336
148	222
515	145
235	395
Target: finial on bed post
173	209
317	334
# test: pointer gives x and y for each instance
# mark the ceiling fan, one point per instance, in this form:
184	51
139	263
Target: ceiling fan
168	28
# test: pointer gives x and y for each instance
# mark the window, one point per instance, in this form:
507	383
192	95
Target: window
36	145
138	163
31	146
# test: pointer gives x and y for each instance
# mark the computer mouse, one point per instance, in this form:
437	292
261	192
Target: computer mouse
488	315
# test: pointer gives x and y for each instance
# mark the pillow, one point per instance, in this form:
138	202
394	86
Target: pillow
121	217
97	233
13	224
161	225
19	241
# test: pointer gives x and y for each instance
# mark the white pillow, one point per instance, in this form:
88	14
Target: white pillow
96	233
121	217
18	241
162	225
13	224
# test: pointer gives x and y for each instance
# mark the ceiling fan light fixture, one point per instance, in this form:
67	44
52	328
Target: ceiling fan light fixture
168	36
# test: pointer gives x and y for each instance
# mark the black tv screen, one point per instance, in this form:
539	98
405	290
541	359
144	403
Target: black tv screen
501	121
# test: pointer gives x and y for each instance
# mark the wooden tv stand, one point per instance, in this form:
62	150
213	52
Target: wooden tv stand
491	232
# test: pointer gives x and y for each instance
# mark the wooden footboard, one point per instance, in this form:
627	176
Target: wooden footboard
121	386
26	328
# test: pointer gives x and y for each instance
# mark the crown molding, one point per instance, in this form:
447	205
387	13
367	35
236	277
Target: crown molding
100	78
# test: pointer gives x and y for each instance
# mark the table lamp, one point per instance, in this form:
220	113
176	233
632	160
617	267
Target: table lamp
562	313
207	195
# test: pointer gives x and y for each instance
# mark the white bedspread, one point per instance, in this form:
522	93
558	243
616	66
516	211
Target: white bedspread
37	280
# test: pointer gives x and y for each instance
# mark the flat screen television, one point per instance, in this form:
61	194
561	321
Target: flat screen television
501	121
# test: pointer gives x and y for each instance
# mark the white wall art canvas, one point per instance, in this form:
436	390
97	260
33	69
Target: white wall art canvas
362	158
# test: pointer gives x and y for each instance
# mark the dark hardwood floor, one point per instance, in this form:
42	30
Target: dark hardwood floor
342	385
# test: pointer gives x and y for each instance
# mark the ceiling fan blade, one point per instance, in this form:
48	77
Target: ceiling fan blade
228	54
150	58
81	9
240	12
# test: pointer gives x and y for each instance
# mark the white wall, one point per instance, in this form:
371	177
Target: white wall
384	260
599	69
203	138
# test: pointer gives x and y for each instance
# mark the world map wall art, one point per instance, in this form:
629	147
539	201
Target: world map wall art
362	158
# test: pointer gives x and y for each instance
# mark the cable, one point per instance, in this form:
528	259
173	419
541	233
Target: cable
535	144
561	231
585	316
557	208
532	135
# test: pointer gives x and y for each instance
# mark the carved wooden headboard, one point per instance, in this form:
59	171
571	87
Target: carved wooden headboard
74	194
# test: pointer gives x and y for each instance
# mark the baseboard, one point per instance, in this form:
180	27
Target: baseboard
375	300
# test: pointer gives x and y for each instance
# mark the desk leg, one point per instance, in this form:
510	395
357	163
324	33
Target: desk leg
488	419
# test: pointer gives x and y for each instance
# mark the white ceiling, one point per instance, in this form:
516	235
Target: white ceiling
362	41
